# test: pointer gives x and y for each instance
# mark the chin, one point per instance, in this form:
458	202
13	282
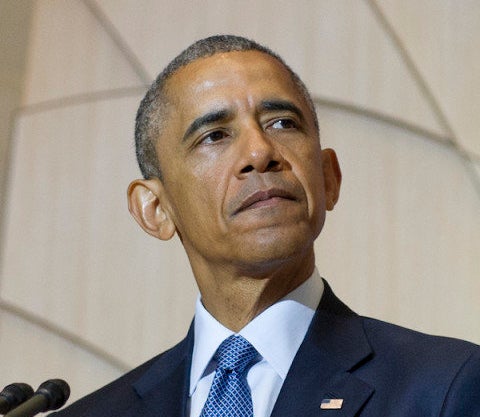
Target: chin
276	248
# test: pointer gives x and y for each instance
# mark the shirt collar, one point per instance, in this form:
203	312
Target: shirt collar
286	322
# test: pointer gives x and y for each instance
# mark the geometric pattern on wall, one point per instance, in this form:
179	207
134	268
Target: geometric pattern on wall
72	157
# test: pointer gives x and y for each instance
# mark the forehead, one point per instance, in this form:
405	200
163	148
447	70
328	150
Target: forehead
229	79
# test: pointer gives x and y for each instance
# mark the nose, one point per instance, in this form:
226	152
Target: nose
257	152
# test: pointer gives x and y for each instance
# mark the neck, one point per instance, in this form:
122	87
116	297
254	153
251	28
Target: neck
235	296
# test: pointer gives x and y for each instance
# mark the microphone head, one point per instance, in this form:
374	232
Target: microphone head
14	395
56	391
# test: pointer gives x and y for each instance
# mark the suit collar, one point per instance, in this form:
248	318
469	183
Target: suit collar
334	346
339	332
163	388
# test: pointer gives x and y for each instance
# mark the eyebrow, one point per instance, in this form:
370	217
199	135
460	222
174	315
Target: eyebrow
275	105
206	119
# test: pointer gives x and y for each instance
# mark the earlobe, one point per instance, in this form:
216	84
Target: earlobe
147	205
332	176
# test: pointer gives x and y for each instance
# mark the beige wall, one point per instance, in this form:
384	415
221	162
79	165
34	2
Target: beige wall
86	295
14	30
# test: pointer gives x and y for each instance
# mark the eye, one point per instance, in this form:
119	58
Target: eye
283	124
214	136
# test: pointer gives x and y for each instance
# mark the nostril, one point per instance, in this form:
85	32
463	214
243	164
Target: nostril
272	165
247	169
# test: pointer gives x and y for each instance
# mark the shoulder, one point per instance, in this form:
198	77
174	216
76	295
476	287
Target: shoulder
383	335
401	344
121	394
117	394
425	367
411	373
391	346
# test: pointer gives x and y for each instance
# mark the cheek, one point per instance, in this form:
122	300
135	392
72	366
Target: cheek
211	173
192	211
199	198
316	198
309	173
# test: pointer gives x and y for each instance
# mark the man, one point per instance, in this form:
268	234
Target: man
228	143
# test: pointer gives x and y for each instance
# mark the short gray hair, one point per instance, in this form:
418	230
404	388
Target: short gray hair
152	110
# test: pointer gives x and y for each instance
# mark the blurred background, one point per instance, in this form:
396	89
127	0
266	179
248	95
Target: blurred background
86	295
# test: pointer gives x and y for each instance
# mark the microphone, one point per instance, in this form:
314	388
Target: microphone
50	395
13	395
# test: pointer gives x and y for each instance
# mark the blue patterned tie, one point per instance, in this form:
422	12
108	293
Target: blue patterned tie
229	394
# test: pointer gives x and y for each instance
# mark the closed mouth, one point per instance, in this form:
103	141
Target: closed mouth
255	200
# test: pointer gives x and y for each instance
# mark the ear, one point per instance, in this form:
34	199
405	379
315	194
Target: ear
332	177
148	205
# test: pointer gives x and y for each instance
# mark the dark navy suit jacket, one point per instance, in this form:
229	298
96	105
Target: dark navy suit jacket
378	369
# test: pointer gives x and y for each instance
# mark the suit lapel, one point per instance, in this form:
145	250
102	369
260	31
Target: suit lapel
163	389
335	345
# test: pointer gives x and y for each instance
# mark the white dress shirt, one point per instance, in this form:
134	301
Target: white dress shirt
276	334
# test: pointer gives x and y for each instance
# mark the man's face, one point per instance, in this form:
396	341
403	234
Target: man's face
241	161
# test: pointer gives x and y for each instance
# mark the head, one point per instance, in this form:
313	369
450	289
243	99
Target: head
244	181
151	115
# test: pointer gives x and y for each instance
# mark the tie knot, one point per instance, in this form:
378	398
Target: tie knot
235	354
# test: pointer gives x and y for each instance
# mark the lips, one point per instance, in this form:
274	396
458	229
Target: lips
255	199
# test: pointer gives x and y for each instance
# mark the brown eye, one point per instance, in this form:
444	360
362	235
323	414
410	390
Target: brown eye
214	136
284	124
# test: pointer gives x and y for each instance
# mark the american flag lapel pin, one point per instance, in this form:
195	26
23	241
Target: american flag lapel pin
331	404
